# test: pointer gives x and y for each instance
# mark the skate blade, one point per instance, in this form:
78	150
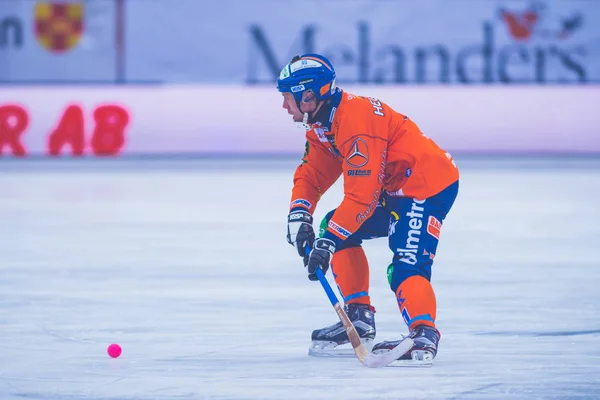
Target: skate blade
419	359
320	348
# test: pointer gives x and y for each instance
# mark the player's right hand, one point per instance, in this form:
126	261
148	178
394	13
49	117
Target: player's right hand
319	257
300	233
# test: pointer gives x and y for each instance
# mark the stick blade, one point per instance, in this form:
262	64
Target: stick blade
382	360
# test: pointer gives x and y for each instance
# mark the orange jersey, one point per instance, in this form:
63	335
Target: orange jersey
375	148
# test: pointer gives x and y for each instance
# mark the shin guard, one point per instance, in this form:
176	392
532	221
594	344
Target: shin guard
351	271
416	300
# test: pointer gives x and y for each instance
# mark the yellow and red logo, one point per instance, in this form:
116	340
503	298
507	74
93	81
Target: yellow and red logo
58	26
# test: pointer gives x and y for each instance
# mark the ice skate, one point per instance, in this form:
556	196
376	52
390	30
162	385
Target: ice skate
333	341
423	352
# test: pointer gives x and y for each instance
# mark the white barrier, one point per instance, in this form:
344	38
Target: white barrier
245	120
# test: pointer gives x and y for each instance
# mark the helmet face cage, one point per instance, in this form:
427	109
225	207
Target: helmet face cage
310	72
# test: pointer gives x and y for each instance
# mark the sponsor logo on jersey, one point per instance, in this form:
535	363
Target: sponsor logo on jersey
331	139
382	165
408	255
359	154
434	226
392	228
408	172
335	227
332	114
362	216
377	106
426	253
359	172
300	202
320	132
306	151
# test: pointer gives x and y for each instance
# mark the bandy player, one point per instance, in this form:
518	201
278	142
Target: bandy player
397	184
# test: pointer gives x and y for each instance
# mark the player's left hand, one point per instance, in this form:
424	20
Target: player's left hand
319	257
300	233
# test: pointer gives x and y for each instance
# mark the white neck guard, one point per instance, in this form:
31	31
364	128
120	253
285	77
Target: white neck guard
304	124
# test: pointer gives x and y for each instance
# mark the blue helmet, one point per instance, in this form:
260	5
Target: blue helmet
308	72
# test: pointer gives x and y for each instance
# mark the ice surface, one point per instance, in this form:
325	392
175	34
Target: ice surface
185	265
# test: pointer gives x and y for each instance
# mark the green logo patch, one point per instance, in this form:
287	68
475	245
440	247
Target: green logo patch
390	272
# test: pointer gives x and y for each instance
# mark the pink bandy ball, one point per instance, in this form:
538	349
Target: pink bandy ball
114	350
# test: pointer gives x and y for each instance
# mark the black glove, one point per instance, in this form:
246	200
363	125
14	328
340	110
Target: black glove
300	232
319	257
